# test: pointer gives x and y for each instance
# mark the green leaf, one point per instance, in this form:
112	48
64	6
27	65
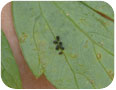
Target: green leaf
9	69
87	36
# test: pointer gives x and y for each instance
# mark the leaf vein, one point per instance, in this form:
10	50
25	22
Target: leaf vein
64	54
98	12
101	63
78	28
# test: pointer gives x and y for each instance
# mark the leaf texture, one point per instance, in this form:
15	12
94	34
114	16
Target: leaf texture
87	32
9	69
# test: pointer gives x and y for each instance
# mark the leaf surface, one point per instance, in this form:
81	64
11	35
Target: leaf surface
87	36
9	69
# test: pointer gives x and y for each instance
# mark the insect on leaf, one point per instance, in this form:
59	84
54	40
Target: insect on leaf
86	30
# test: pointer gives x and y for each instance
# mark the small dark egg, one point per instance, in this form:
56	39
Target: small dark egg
57	38
57	47
60	43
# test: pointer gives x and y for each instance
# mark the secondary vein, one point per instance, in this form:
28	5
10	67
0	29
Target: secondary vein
98	12
64	54
78	28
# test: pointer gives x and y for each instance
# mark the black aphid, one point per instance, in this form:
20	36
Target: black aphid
55	42
57	38
60	53
57	47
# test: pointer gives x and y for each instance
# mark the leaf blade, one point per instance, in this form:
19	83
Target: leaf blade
10	73
79	33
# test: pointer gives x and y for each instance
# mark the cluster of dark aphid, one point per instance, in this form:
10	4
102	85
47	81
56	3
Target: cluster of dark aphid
59	45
